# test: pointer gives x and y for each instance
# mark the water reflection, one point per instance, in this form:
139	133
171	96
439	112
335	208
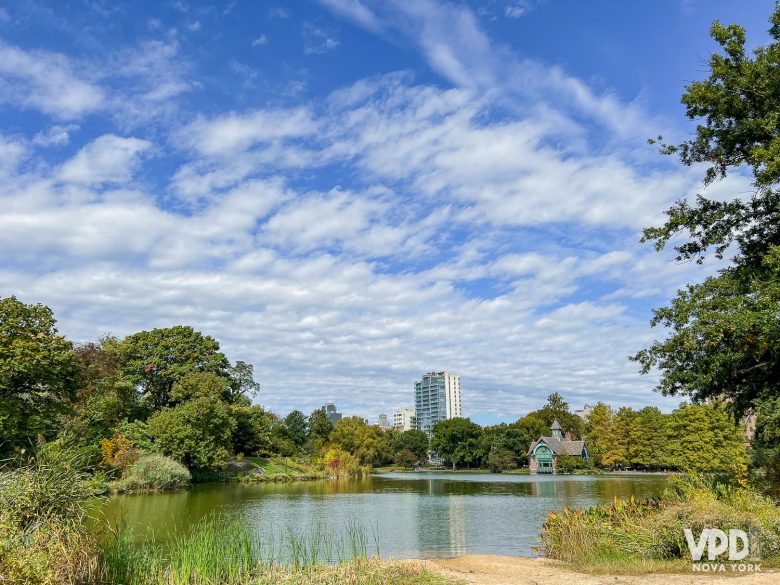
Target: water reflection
413	515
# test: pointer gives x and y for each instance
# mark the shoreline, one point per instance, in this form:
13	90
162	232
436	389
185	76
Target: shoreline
477	569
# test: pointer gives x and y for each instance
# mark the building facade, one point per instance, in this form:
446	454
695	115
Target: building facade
544	452
436	397
330	411
382	423
584	412
404	420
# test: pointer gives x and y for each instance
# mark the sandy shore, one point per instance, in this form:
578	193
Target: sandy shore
496	570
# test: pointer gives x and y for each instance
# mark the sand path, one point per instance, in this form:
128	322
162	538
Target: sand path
496	570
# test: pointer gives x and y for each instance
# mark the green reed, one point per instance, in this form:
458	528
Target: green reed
224	550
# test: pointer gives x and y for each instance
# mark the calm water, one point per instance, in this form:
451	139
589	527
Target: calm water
414	514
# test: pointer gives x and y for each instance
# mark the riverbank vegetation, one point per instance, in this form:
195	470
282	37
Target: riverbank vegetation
633	532
44	540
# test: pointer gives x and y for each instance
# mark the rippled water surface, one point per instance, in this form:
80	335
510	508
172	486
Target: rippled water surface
407	514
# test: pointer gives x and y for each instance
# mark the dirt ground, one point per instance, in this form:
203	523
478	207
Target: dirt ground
496	570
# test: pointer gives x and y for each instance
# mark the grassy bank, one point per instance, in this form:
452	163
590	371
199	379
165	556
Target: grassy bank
264	469
648	535
225	550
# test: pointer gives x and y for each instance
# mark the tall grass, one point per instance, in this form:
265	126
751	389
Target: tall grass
42	512
223	550
630	531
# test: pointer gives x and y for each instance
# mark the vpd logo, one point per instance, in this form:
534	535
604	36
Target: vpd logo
717	542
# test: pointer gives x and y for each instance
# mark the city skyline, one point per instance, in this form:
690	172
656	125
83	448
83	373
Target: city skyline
346	193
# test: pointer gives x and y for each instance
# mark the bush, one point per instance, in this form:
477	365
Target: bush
653	528
118	451
41	519
570	464
153	472
405	458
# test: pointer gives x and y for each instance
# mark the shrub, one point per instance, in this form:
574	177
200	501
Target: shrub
570	464
653	528
118	451
339	463
41	517
405	458
153	472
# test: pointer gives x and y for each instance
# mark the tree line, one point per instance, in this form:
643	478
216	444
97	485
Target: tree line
173	392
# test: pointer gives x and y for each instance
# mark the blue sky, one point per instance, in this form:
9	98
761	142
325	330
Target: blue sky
349	193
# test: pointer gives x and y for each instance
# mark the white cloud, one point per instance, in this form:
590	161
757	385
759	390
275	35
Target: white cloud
47	82
355	10
57	135
517	8
260	41
374	234
318	41
234	132
107	159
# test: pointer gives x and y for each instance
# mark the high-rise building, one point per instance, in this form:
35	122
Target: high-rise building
404	420
584	412
330	411
381	422
436	397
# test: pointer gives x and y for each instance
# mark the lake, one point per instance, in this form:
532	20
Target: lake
409	515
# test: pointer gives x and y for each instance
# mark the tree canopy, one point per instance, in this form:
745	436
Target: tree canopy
158	358
39	373
724	334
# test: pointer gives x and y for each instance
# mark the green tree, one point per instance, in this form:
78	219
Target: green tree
726	337
600	432
528	429
158	358
723	334
456	440
618	451
500	459
415	441
704	438
241	382
252	433
318	431
105	397
194	385
502	439
766	441
197	432
650	438
39	373
368	444
558	409
295	428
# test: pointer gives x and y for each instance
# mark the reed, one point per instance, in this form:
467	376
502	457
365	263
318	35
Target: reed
224	550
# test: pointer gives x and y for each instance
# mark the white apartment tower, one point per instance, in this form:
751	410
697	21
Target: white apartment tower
404	420
436	397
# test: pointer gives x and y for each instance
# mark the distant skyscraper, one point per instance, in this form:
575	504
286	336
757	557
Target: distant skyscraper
330	411
404	420
382	422
436	397
584	412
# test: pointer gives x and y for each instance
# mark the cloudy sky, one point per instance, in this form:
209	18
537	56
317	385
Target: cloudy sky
349	193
